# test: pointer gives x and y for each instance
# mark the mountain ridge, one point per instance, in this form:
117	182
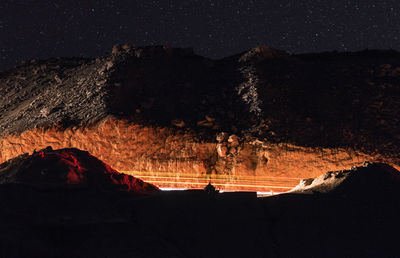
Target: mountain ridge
267	107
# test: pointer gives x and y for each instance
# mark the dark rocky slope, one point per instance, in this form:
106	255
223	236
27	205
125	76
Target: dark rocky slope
327	99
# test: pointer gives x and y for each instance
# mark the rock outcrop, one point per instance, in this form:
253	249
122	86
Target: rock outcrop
370	179
50	168
158	113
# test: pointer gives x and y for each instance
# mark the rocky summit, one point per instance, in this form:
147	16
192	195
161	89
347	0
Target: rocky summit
256	121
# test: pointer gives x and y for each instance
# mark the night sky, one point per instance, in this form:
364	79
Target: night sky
39	29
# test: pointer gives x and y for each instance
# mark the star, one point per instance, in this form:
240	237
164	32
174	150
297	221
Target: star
213	28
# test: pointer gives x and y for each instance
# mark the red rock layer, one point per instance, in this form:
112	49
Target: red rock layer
175	159
69	167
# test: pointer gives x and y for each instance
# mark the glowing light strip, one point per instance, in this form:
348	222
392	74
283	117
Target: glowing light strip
218	184
213	179
205	181
173	181
172	189
149	173
265	193
222	183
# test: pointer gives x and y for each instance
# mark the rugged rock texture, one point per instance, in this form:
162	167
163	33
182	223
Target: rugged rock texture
65	168
260	120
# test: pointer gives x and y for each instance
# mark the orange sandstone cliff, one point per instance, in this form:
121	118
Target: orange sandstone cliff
258	121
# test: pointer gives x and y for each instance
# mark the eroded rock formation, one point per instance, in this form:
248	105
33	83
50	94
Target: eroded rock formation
260	120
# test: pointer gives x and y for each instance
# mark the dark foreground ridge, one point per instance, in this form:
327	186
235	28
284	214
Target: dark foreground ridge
50	168
350	213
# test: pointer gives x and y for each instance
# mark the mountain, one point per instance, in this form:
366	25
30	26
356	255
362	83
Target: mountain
256	121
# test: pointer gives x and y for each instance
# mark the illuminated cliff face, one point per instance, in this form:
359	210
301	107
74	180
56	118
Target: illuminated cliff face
171	158
155	112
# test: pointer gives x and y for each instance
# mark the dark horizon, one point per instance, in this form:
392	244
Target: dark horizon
215	29
380	51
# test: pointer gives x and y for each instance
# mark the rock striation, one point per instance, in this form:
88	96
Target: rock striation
260	120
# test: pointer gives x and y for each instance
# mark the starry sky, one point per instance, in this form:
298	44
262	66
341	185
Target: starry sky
40	29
